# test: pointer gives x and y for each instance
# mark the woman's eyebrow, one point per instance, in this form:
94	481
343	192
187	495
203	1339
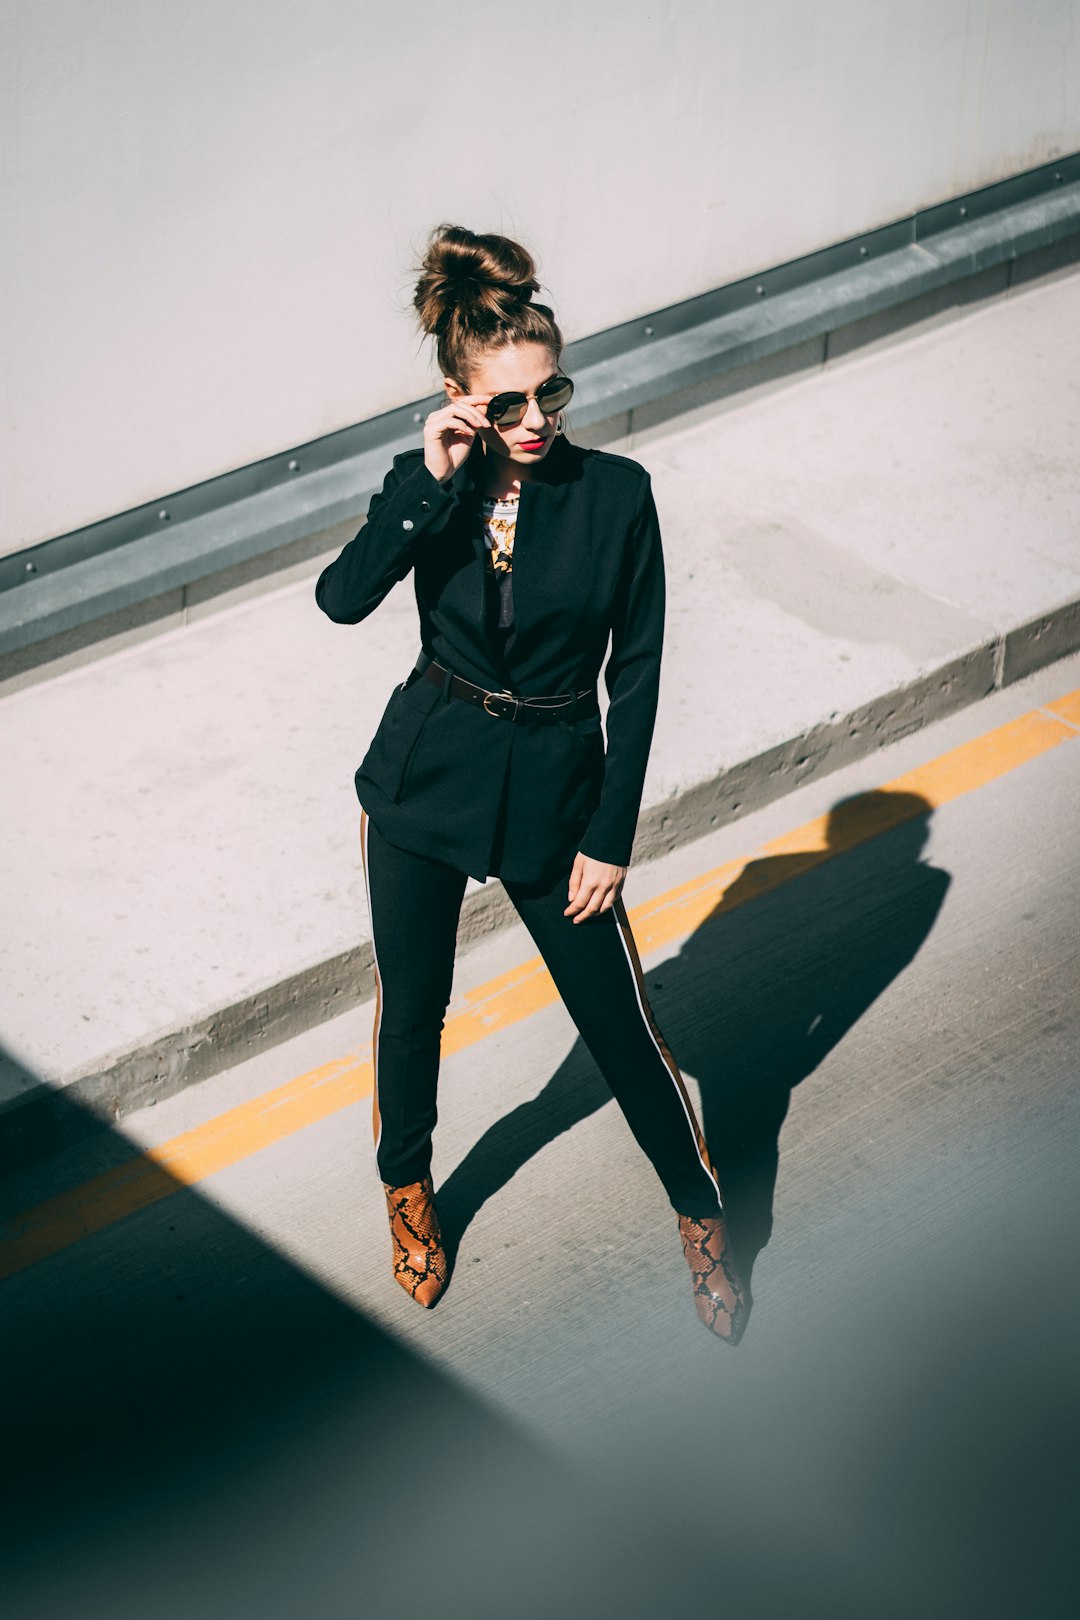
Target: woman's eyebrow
539	385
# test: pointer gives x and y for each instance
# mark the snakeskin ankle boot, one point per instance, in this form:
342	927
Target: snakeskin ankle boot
718	1291
419	1258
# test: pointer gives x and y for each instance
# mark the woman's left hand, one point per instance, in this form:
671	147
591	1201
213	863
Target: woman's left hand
594	887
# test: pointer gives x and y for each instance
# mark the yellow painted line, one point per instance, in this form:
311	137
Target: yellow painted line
181	1162
1068	707
505	1000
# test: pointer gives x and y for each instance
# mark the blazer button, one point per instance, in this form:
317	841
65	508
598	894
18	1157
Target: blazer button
425	506
406	523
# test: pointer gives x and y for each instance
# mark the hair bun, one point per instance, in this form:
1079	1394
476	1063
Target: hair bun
483	280
475	292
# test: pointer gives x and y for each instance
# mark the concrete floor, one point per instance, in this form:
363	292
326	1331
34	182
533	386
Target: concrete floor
223	1404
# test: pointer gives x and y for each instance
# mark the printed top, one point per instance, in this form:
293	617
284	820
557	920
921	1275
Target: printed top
500	524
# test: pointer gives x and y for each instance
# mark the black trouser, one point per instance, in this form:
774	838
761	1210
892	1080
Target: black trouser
414	903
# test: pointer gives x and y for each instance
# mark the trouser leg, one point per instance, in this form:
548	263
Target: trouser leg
597	970
414	904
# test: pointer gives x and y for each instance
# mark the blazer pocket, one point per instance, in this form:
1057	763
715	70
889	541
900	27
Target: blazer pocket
392	748
589	726
589	736
588	729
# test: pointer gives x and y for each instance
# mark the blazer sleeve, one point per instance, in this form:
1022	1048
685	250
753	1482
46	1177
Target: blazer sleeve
632	678
410	503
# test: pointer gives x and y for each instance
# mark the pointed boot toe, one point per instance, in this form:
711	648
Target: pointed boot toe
719	1296
419	1259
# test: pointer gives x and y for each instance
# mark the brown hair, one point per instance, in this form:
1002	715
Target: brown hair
474	294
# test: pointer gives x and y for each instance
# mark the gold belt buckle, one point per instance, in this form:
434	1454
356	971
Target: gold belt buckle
495	712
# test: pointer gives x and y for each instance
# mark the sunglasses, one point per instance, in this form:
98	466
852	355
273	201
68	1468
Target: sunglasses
506	410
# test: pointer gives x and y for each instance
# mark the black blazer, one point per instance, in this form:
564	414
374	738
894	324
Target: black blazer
587	562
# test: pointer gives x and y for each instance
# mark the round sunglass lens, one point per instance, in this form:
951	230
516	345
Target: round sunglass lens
506	410
555	394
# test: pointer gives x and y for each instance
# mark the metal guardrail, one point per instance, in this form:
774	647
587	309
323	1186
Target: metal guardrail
66	583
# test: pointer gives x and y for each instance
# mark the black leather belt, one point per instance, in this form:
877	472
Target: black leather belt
505	705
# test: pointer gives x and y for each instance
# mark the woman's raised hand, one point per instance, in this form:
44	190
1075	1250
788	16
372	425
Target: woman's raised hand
449	433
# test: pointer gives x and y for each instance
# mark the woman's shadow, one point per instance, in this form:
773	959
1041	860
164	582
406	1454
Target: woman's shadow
756	998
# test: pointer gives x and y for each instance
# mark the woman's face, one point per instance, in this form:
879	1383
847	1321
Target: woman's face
520	368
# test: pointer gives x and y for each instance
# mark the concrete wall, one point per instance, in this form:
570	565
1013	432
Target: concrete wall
210	210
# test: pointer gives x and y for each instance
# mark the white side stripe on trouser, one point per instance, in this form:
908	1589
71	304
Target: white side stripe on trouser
376	1114
626	939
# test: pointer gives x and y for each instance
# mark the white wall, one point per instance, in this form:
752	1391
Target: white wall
210	208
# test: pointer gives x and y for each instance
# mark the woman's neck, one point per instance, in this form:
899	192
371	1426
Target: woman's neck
500	477
501	484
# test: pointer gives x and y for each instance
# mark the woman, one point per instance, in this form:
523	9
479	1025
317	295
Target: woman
527	552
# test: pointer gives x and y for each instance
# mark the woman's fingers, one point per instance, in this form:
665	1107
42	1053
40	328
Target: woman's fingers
592	908
449	434
456	419
591	893
590	900
452	422
464	407
468	404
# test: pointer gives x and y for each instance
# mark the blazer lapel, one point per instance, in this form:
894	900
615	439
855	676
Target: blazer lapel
467	484
552	559
552	562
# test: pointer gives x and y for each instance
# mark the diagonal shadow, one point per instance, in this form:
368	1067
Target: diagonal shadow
195	1426
753	1002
